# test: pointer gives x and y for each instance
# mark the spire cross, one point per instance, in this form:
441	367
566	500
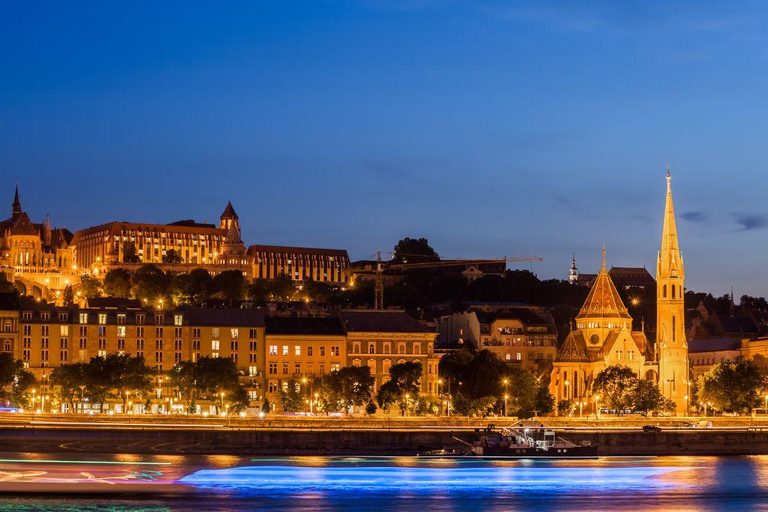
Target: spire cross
603	256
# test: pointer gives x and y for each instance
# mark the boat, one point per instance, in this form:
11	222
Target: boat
516	443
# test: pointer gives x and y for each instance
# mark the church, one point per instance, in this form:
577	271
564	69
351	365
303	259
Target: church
603	334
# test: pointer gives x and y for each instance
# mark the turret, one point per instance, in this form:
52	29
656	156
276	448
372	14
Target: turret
573	276
16	209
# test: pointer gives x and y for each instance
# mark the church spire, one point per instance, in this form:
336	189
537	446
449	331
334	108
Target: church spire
670	262
16	203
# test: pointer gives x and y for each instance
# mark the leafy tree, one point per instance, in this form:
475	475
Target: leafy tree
350	387
615	385
733	387
150	284
68	296
23	383
544	402
266	407
183	377
404	379
67	379
133	376
230	285
100	379
482	406
281	288
130	255
6	286
117	283
370	409
8	369
200	285
293	398
414	250
172	256
646	396
238	399
90	286
217	378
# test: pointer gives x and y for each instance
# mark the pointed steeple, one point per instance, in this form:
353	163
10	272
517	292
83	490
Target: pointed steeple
603	300
16	204
573	275
670	261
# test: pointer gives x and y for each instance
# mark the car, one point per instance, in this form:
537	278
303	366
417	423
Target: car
651	428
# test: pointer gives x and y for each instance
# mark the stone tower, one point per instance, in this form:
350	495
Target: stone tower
670	310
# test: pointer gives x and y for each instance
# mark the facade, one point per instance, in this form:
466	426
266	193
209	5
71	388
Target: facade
603	335
704	354
380	339
299	263
52	336
35	256
518	334
129	245
301	348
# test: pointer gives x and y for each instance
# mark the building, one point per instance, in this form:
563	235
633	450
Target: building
52	336
604	337
36	257
380	339
704	354
623	277
301	348
180	246
299	263
517	333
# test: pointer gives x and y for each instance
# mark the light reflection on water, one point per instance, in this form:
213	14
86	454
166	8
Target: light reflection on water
322	483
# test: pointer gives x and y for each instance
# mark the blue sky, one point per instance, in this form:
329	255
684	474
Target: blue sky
492	128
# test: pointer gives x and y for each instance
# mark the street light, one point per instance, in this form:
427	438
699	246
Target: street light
506	383
505	405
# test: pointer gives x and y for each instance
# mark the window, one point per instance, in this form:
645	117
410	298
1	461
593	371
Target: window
272	387
387	348
285	350
178	319
252	333
102	318
253	371
273	350
83	318
297	350
371	348
285	368
355	348
215	345
335	351
121	331
310	351
235	333
322	351
417	348
64	330
233	346
297	368
273	368
215	332
121	318
519	356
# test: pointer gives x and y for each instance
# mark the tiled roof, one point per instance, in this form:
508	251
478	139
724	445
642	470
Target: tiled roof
312	326
631	276
114	302
714	345
381	321
603	300
254	250
234	317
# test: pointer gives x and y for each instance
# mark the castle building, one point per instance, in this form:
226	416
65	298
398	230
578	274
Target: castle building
35	256
299	263
180	246
603	334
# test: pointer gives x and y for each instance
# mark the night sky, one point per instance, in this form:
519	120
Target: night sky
492	128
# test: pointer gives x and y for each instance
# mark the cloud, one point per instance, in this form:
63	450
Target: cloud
696	217
750	222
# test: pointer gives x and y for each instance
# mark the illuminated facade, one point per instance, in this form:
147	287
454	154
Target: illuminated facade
36	257
603	335
380	339
299	263
129	245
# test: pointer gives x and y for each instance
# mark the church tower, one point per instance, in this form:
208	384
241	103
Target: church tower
573	275
670	311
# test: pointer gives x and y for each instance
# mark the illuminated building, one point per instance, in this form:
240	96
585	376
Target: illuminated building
604	337
380	339
524	335
301	348
299	263
36	257
129	245
52	336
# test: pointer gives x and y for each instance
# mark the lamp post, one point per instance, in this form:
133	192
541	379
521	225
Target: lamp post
686	404
766	404
407	403
506	383
581	406
597	407
440	393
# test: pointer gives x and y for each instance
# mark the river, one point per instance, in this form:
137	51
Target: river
35	481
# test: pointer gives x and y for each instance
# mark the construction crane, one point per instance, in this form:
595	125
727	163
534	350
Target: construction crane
379	284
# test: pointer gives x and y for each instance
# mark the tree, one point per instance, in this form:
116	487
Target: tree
216	378
200	285
117	283
370	409
134	378
100	375
346	388
183	377
292	399
150	284
90	286
404	380
544	402
230	285
129	253
615	385
172	256
266	407
414	250
68	296
23	383
647	397
67	379
8	369
733	387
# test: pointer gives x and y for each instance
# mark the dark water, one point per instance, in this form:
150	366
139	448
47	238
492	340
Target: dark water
175	483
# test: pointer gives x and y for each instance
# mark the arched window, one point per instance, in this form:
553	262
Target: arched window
665	291
673	291
371	348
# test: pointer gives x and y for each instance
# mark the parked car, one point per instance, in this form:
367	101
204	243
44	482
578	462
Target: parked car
651	428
